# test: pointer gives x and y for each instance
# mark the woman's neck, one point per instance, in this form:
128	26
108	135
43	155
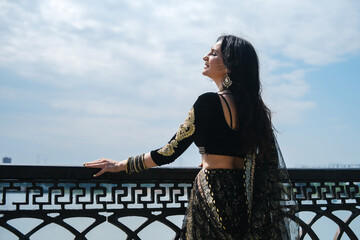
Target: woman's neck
225	91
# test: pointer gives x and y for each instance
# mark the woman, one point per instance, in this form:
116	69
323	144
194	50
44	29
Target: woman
238	192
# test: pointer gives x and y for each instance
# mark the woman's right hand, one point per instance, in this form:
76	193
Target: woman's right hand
106	165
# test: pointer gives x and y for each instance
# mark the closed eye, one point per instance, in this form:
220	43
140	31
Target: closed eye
214	52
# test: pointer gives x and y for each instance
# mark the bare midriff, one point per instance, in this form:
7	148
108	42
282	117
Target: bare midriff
211	161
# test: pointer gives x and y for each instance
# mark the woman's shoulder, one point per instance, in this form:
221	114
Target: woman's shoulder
206	102
207	98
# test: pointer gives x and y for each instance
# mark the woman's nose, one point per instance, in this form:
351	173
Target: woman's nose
205	57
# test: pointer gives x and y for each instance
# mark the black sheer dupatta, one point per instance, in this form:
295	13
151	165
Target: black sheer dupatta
273	205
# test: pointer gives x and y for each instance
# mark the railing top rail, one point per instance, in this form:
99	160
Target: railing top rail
323	174
172	174
82	173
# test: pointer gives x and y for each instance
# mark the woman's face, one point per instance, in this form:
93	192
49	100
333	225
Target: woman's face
214	65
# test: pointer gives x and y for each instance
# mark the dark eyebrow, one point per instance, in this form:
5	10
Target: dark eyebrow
214	50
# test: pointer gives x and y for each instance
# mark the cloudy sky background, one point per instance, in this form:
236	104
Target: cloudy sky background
81	80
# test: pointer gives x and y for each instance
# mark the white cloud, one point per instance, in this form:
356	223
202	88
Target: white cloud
55	12
106	108
317	33
284	93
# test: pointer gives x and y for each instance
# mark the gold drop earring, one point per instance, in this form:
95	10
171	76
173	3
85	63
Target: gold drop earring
227	81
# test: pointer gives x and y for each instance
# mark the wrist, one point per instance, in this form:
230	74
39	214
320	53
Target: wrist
121	166
135	164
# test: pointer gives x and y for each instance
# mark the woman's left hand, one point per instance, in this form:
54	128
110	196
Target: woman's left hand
106	165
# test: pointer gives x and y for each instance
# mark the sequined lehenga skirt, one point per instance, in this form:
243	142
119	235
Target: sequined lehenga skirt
218	207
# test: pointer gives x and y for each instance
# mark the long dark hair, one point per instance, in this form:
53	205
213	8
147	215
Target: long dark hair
254	118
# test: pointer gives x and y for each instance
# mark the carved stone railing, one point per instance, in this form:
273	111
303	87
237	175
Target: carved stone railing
43	202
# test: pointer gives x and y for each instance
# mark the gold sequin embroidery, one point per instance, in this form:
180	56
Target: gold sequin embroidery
249	180
185	130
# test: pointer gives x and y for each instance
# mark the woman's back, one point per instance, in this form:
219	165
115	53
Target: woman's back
213	161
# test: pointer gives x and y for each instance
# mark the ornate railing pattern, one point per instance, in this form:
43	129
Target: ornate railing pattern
73	205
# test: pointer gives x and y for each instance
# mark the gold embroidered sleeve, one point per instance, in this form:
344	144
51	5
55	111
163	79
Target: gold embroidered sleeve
185	130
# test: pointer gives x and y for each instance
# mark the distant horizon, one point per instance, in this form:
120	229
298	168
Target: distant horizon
328	166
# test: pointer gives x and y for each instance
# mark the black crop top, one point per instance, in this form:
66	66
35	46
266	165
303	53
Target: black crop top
206	126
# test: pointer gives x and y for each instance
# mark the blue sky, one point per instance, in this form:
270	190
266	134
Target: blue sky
81	80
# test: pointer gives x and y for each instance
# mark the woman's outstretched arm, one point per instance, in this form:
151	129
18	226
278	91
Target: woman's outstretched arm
109	165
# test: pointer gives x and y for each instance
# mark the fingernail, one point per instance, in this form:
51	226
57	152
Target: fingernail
94	175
